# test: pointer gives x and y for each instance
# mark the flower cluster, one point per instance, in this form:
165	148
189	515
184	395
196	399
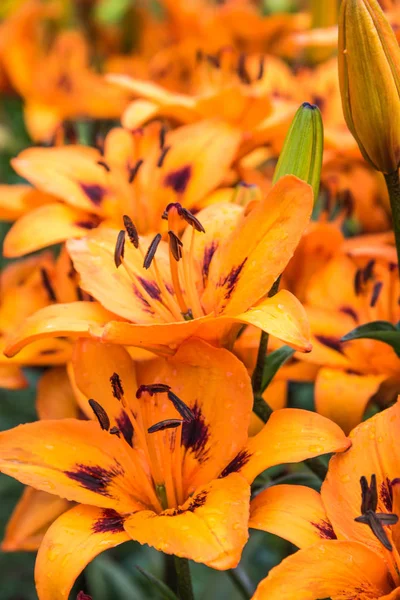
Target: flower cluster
202	280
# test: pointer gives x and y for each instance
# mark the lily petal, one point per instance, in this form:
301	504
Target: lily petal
18	199
55	397
337	569
73	459
32	516
246	266
211	527
290	435
343	397
74	318
77	537
47	225
295	513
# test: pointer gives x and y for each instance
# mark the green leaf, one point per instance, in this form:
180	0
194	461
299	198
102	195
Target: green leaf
376	330
273	362
164	590
106	579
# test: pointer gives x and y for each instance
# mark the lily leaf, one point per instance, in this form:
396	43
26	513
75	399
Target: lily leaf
165	592
273	362
382	331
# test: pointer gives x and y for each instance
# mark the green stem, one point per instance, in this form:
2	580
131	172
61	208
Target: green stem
393	186
260	407
317	466
185	590
242	582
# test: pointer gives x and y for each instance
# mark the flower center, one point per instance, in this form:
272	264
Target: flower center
182	301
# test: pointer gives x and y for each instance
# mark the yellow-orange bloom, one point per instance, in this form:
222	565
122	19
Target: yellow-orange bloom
206	284
349	535
168	464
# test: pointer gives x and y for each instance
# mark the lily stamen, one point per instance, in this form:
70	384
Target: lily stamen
100	414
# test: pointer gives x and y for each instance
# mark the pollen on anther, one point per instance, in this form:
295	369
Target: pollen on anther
100	414
116	386
131	231
119	249
152	388
167	424
175	245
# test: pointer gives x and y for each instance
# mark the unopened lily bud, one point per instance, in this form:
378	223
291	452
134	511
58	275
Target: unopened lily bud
302	151
369	76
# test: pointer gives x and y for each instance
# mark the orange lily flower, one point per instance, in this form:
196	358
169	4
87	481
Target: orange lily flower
27	286
37	510
230	86
136	173
355	287
164	465
207	284
56	83
349	535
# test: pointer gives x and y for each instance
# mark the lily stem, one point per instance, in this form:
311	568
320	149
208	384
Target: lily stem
393	187
242	582
260	407
317	466
185	589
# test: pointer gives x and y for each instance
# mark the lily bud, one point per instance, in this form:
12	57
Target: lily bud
302	151
369	77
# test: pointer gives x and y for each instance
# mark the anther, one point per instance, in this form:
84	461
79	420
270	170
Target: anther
358	282
368	270
102	163
191	219
182	408
115	431
47	285
119	249
162	156
369	516
175	245
152	249
242	70
131	231
116	385
214	60
101	414
134	170
163	132
152	388
167	424
376	293
261	68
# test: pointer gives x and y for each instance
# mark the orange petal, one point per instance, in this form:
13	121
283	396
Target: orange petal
73	459
283	317
343	397
290	435
18	199
68	172
55	398
374	450
45	226
211	527
12	377
206	379
93	258
337	569
44	352
32	516
245	267
74	318
138	113
295	513
76	538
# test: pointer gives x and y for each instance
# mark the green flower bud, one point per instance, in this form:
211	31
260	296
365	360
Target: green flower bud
302	151
369	77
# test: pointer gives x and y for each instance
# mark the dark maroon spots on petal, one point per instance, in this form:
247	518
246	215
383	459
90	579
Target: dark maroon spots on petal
376	290
64	83
230	281
151	288
386	494
94	192
178	180
325	529
47	285
196	502
207	258
146	306
195	435
91	223
348	310
240	460
48	352
109	522
330	341
95	478
125	427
